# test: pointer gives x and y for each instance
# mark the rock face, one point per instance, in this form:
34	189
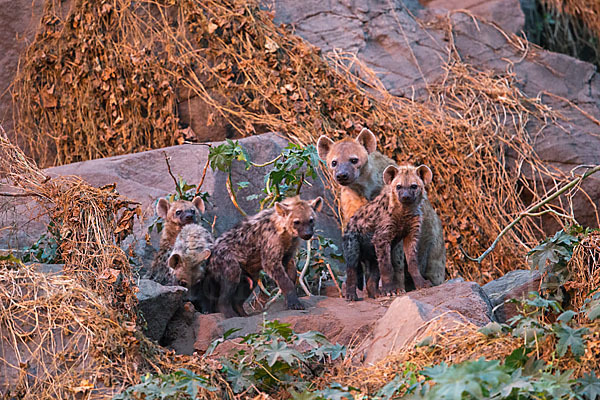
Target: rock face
448	304
158	304
513	285
19	21
144	177
407	54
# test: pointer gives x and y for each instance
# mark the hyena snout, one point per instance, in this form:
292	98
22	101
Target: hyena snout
305	232
345	174
407	196
188	216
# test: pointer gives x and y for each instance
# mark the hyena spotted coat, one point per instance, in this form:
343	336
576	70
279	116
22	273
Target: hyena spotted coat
266	241
176	216
400	214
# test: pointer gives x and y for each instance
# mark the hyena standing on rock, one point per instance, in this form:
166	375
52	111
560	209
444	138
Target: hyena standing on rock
176	215
358	167
401	213
266	241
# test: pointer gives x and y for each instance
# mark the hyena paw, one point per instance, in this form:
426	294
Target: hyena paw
423	283
294	304
351	296
389	290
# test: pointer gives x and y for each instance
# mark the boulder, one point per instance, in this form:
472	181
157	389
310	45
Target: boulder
513	285
158	304
449	304
340	321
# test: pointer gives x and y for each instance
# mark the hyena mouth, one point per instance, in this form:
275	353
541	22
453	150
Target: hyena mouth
306	236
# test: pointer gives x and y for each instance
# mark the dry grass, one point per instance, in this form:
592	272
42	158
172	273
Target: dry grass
584	270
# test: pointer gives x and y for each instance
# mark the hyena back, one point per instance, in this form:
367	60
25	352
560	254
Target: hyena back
175	216
266	241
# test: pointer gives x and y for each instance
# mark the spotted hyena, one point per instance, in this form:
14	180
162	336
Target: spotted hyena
175	215
266	241
400	214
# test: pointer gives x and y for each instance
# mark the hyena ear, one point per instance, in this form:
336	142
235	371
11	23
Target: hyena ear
281	209
389	174
204	255
162	208
199	203
323	147
367	139
317	204
175	261
425	174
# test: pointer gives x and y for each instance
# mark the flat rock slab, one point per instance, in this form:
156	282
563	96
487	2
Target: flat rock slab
340	321
449	303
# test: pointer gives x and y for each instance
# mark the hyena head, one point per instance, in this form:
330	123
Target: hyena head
298	216
347	157
190	252
407	182
180	212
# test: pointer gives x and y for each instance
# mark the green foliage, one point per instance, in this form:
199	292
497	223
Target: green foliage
179	385
323	251
289	171
551	258
222	156
271	358
46	249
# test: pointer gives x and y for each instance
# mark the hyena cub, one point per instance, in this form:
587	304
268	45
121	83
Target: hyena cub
176	215
191	250
401	213
357	167
266	241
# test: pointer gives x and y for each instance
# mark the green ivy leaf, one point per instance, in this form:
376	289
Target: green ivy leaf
570	337
279	350
566	316
589	386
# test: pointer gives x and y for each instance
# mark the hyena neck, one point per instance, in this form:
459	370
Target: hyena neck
169	235
367	183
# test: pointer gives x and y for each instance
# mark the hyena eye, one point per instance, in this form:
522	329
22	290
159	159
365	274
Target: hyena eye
414	186
354	160
192	211
296	222
398	187
334	163
311	220
178	212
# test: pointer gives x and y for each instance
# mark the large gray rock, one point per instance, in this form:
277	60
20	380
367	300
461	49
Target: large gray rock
513	285
19	20
158	305
449	304
143	177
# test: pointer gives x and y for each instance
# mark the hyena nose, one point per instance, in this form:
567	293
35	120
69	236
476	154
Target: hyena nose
342	176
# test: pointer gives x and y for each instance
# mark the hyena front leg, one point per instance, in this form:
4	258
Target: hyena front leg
383	250
229	273
410	251
273	266
351	248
